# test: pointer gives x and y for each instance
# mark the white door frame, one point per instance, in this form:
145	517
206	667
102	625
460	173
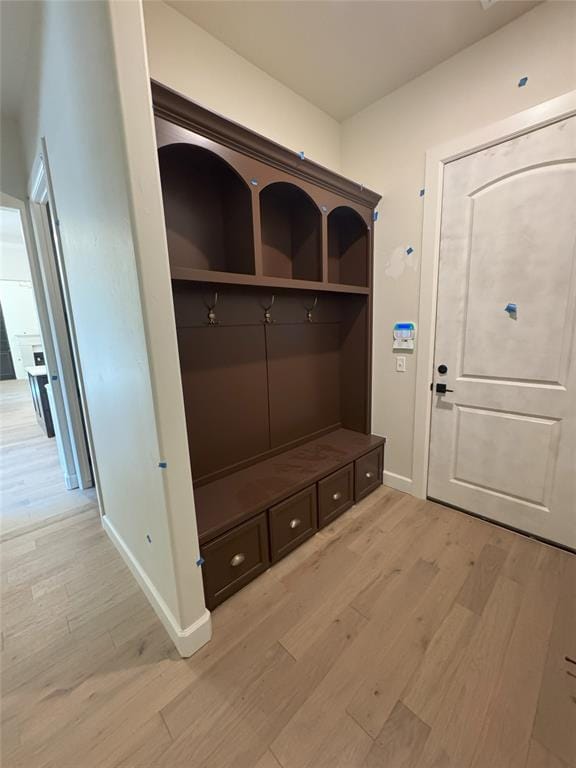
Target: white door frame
436	158
62	355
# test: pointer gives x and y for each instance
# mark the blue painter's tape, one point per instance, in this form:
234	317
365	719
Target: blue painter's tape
162	464
254	182
422	192
512	309
522	82
200	561
375	216
54	378
148	539
301	155
409	250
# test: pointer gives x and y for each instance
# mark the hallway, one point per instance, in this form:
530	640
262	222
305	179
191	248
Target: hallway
33	490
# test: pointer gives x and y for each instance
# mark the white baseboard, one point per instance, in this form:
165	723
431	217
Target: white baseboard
399	482
188	640
70	481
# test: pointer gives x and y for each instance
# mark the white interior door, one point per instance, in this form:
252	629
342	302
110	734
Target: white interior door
503	442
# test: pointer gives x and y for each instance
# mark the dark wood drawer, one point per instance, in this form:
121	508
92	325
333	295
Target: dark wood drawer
292	522
368	473
335	494
234	559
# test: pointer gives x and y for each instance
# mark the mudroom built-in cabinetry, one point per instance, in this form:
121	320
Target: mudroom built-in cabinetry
271	265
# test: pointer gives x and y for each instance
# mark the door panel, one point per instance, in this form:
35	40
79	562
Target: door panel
518	225
503	443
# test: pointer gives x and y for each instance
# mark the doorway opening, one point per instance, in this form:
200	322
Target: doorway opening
46	472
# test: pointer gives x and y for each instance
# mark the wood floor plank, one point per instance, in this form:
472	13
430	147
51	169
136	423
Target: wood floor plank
381	560
376	696
345	745
426	691
457	727
555	721
506	734
400	742
268	761
32	481
481	580
256	713
303	734
540	757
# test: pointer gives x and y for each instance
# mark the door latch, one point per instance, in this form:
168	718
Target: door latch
441	389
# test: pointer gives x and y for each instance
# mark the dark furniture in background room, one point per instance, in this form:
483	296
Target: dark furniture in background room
6	363
38	379
271	263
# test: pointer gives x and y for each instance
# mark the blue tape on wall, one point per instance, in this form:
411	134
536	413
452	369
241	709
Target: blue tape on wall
301	155
162	464
375	216
422	192
409	250
522	82
200	561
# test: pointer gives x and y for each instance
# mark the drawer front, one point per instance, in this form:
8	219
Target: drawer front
335	494
368	473
234	559
292	522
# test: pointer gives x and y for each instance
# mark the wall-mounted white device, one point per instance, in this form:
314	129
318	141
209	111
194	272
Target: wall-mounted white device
404	335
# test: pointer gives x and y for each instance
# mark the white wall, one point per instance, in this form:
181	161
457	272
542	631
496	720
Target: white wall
189	60
385	145
16	293
12	176
87	154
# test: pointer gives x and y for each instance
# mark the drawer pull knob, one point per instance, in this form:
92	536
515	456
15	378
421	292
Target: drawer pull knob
238	559
336	496
295	523
369	475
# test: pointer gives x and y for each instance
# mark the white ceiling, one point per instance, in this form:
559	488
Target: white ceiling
18	19
345	54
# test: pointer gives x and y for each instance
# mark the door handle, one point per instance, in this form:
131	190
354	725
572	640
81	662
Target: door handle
441	389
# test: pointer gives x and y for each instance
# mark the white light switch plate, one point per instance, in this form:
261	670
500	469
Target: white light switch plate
401	363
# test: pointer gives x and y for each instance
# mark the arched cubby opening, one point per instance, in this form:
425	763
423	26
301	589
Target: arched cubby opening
348	247
208	211
291	227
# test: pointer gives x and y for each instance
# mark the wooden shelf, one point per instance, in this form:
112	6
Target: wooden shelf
256	281
227	502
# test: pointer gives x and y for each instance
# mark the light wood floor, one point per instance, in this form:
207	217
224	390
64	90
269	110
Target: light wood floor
406	635
31	479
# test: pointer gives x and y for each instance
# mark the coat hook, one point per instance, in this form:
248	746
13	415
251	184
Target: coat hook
309	310
211	307
267	311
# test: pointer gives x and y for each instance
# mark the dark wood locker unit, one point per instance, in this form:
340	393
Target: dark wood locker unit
271	264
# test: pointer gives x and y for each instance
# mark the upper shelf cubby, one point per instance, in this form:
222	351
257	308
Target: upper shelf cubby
291	226
348	247
208	211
